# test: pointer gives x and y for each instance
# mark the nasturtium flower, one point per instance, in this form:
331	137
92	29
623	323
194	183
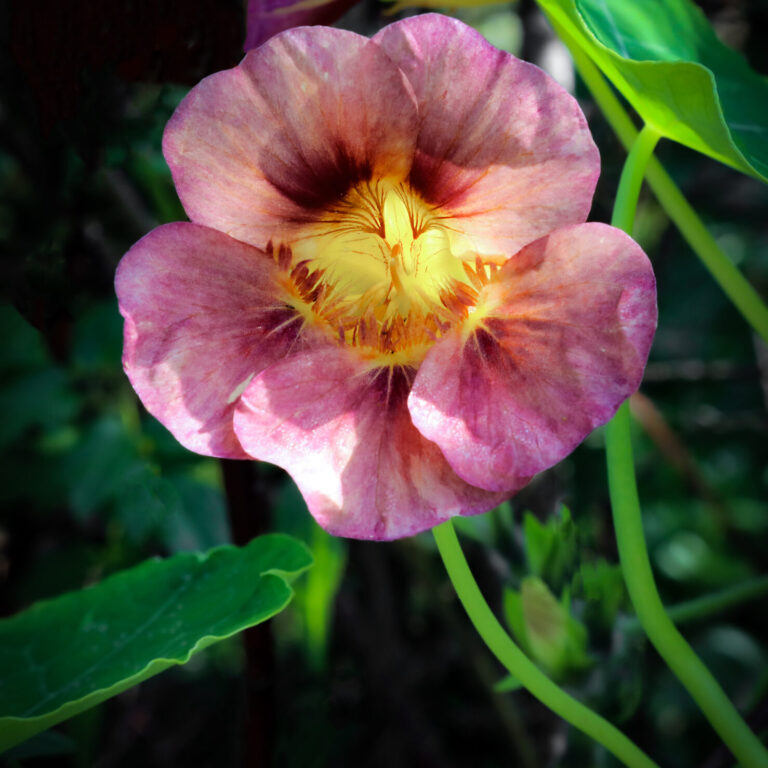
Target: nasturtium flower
387	286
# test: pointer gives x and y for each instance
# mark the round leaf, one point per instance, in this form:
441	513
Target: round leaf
666	60
65	655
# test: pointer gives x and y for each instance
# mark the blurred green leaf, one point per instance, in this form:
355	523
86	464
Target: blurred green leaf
489	527
602	586
501	27
476	527
621	678
200	521
748	515
665	58
545	628
512	604
146	504
316	595
65	655
688	557
33	392
103	463
153	175
98	339
22	347
551	548
545	623
39	399
557	640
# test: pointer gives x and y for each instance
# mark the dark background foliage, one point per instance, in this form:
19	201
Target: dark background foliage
90	484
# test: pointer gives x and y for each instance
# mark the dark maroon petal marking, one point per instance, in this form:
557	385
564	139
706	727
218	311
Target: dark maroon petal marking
260	148
504	152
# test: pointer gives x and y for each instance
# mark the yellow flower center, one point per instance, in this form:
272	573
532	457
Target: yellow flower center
380	271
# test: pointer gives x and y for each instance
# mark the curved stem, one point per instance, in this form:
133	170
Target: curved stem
722	269
631	180
670	644
519	665
709	605
633	553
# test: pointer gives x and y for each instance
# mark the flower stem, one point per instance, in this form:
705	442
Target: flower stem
722	269
709	605
633	553
641	586
519	665
625	205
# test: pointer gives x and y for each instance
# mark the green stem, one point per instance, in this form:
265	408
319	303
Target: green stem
709	605
633	553
519	665
625	205
732	282
641	586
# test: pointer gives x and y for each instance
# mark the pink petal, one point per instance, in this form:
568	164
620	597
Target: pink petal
265	18
201	317
363	469
262	147
503	150
569	326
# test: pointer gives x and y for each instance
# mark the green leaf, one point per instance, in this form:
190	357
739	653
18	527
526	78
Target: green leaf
551	548
65	655
33	393
665	58
200	521
557	640
489	528
602	586
512	605
105	460
98	339
146	504
545	622
545	629
23	348
500	26
687	556
41	399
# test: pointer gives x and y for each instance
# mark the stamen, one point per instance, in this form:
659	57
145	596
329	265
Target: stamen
379	270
